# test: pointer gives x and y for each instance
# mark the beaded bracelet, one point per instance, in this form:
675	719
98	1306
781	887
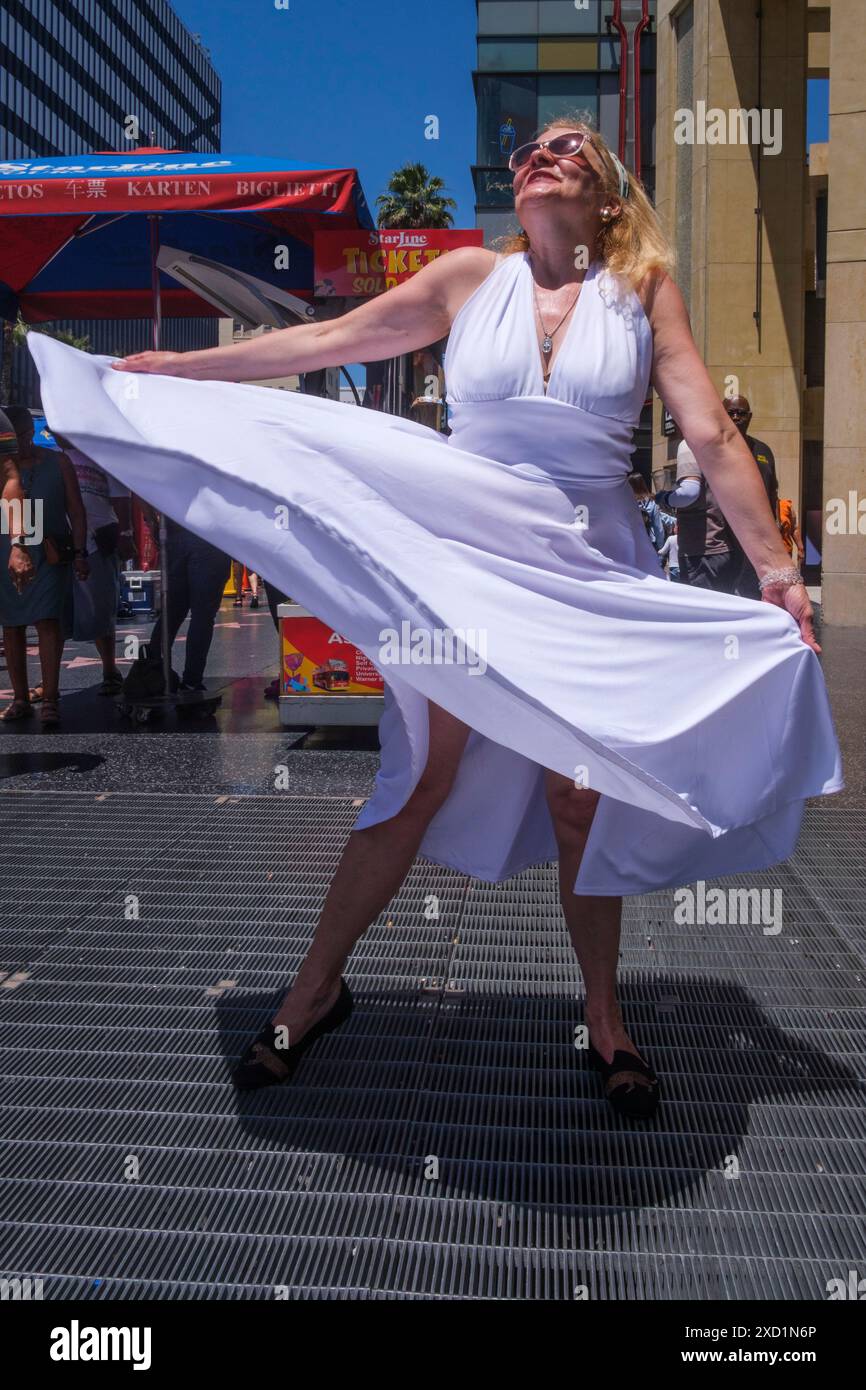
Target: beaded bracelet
788	577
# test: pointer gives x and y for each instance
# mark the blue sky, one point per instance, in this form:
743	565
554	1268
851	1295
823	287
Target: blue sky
347	83
817	110
350	82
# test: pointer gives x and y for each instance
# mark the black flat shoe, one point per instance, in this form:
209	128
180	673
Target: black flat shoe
630	1084
265	1063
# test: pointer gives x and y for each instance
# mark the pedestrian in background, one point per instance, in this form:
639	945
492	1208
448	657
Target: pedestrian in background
49	484
197	574
654	519
709	556
20	565
238	581
789	528
740	412
92	610
670	553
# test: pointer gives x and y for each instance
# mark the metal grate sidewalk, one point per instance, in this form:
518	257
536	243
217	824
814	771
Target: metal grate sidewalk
130	1168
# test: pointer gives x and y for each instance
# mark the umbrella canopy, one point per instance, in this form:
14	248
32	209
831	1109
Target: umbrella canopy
76	234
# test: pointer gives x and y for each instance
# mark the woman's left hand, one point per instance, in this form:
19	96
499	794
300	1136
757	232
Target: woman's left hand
794	599
82	567
21	570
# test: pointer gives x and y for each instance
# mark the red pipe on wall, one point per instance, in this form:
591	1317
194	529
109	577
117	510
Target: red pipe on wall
644	23
616	20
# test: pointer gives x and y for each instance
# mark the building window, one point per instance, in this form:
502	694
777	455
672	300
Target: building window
497	224
607	10
507	117
508	16
568	55
565	93
494	188
647	127
821	245
608	53
507	55
563	17
608	108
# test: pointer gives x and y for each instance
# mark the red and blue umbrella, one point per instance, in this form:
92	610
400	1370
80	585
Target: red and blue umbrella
79	236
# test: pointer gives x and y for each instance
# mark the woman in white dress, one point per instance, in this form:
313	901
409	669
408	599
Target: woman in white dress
543	723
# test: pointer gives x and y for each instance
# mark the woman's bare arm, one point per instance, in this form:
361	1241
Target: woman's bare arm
726	461
12	512
74	504
410	316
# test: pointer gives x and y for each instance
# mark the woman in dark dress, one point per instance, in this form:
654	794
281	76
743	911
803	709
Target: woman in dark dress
56	515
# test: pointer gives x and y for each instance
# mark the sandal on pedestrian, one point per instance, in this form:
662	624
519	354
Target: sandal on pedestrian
37	694
630	1084
50	714
112	685
19	709
266	1063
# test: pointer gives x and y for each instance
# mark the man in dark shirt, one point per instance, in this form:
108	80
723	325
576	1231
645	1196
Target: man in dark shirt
740	412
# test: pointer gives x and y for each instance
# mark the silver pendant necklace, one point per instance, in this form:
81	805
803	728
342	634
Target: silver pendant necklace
547	340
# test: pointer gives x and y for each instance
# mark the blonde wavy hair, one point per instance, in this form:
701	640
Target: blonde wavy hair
632	244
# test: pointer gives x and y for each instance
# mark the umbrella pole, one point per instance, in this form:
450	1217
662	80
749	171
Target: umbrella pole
156	300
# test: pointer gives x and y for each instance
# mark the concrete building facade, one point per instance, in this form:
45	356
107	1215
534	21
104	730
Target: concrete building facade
771	246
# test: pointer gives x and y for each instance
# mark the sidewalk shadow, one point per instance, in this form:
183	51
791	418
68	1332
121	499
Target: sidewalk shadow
37	761
512	1113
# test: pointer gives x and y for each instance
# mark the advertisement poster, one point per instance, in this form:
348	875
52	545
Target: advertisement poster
315	660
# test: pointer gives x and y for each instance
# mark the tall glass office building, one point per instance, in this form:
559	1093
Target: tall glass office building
540	58
83	75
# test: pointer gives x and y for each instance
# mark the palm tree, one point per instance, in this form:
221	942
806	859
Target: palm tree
414	199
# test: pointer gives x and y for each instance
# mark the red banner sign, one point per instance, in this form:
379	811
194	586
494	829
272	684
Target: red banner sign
358	263
217	192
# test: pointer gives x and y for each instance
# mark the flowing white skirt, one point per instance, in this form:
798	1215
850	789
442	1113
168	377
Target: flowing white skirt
702	718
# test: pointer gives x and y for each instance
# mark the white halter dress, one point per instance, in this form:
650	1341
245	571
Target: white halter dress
701	718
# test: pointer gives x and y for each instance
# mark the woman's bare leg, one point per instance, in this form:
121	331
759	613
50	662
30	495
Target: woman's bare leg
15	642
371	869
593	922
51	644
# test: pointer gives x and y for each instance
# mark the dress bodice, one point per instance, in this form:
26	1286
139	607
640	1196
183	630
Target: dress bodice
582	426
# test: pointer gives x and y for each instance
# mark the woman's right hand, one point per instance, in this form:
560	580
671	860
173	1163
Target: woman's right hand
795	600
153	363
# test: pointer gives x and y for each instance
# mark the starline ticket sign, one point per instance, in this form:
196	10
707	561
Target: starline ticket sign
356	264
